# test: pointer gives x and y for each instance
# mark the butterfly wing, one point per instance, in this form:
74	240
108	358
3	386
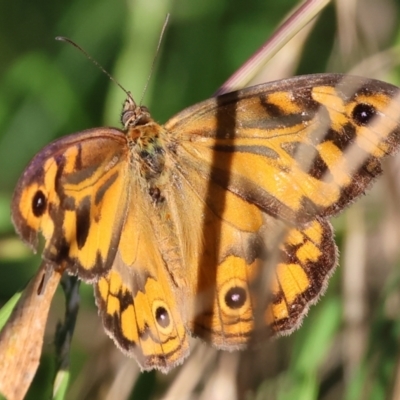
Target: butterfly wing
226	242
296	148
85	195
273	161
139	302
74	192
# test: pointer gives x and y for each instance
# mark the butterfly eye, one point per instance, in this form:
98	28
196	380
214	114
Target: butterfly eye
162	317
133	115
363	113
39	203
235	297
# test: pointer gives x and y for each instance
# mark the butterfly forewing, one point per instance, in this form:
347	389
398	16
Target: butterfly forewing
283	145
74	192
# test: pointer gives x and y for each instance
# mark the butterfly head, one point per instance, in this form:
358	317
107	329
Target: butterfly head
134	115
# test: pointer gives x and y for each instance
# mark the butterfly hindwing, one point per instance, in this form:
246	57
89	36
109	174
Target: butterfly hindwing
138	300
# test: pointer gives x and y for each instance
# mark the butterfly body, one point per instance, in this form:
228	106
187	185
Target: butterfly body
176	224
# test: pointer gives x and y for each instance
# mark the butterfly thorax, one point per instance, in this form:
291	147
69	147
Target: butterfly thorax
147	156
144	141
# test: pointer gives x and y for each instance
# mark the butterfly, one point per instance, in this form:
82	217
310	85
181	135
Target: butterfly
175	224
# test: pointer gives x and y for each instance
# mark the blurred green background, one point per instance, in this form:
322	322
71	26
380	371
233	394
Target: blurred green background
348	346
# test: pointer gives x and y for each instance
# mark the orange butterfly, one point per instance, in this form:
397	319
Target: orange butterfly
173	224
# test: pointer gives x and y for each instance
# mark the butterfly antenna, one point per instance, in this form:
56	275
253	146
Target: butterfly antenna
155	57
96	63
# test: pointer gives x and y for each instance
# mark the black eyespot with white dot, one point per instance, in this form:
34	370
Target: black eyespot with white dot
363	114
162	317
39	204
235	297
